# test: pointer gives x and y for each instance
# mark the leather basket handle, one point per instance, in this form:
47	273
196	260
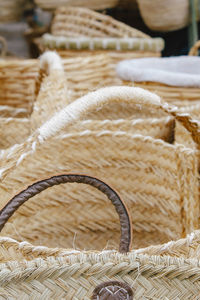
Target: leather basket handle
36	188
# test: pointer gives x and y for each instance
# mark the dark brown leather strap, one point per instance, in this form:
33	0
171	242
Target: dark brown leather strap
40	186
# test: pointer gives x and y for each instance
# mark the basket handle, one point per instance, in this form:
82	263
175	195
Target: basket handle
194	49
51	90
49	62
118	94
36	188
4	46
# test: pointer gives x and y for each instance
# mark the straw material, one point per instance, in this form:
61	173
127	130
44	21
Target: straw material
13	131
169	93
164	15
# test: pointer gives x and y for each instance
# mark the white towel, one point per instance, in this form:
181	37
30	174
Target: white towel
174	71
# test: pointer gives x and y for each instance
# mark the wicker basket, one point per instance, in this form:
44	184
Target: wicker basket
156	201
13	131
165	15
80	31
158	182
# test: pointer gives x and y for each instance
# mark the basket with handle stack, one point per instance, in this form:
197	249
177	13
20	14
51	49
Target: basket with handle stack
162	207
157	181
79	31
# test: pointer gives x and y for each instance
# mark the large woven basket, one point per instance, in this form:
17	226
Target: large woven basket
158	180
165	15
80	32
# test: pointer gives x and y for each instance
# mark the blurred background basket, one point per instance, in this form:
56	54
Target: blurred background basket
80	31
11	10
165	15
66	143
17	84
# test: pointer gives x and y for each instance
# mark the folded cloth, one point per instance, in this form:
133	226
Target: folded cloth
174	71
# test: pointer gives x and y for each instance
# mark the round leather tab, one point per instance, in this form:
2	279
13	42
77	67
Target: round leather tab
113	290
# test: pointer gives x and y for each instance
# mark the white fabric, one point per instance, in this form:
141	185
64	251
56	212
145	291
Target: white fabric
174	71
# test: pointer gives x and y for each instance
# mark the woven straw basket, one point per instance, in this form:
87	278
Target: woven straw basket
80	31
165	15
156	201
158	182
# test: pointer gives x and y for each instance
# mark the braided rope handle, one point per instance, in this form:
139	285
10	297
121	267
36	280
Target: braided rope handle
3	47
117	94
36	188
194	49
